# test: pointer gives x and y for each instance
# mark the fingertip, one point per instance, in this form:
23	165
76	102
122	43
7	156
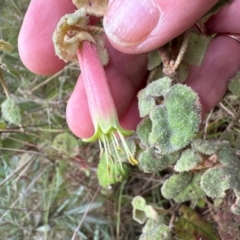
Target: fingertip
131	117
77	112
143	26
35	38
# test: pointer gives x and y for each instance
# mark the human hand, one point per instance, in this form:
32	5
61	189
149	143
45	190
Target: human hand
127	72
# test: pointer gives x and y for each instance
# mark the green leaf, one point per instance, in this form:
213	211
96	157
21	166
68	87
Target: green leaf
197	47
143	130
208	147
142	211
110	172
217	180
161	231
66	144
234	85
152	94
183	187
183	71
11	111
150	161
176	121
192	226
189	160
154	59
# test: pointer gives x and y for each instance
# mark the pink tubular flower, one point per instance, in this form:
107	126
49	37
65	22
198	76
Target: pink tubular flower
101	105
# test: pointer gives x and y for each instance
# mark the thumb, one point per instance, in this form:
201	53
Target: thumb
140	26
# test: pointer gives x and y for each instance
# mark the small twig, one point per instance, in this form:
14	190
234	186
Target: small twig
226	109
4	85
201	27
170	66
85	214
181	51
206	125
167	64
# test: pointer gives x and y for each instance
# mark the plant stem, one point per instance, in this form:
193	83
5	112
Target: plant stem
181	51
4	85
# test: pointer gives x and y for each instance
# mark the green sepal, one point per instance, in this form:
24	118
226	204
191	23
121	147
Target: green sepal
110	172
99	132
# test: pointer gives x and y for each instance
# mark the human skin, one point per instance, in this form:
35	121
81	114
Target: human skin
163	20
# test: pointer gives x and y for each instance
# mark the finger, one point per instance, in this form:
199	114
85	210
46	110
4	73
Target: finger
226	20
141	26
221	63
124	73
35	38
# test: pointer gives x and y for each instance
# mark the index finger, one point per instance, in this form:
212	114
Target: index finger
35	38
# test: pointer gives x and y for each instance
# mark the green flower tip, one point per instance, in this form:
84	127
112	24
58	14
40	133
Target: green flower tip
107	137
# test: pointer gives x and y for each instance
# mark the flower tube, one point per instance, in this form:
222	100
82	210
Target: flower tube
101	105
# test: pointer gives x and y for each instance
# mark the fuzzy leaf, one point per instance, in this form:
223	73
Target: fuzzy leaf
192	226
189	160
161	231
234	85
225	175
66	144
176	121
143	130
192	191
173	186
153	223
154	59
197	47
209	147
149	96
158	88
11	111
215	182
183	71
110	172
93	7
145	103
183	187
150	161
142	211
155	74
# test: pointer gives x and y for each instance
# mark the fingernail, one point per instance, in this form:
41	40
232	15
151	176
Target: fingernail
129	22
